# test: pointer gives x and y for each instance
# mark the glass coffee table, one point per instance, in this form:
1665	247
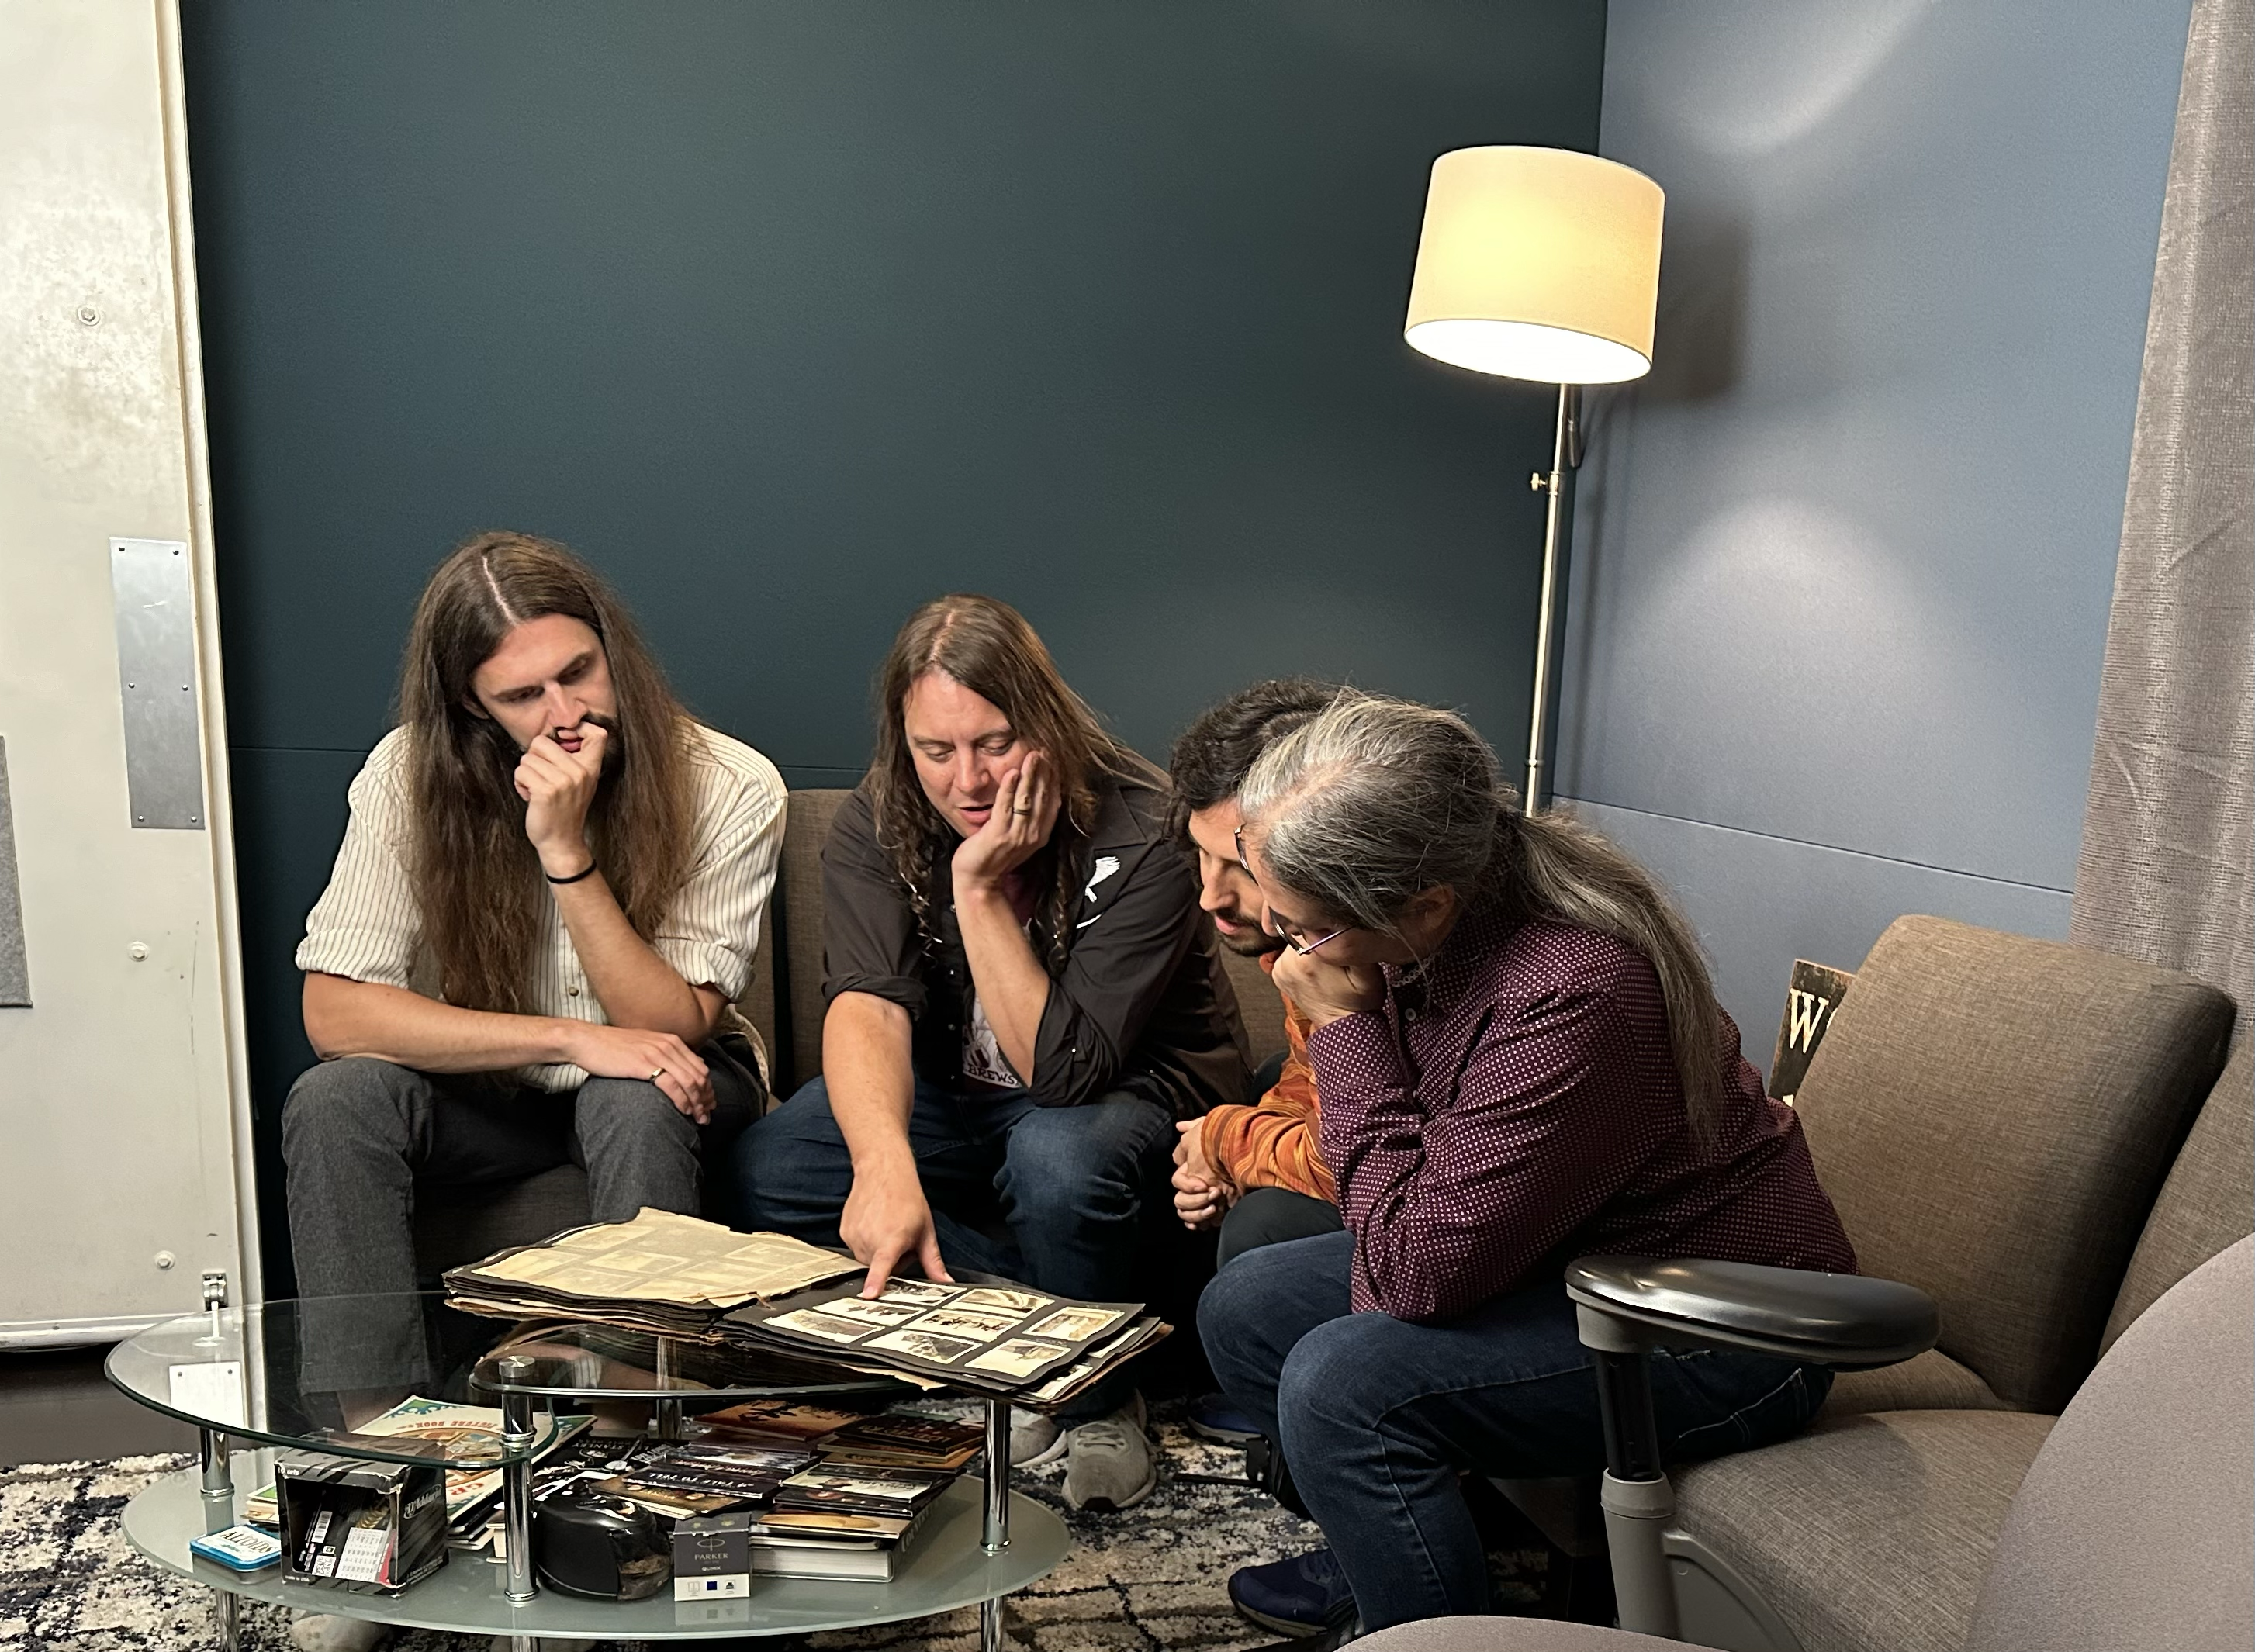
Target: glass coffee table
290	1374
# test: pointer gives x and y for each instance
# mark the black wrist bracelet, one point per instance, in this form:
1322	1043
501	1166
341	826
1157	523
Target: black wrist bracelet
588	871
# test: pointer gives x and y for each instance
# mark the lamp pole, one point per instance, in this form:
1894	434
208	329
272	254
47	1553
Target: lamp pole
1565	455
1539	265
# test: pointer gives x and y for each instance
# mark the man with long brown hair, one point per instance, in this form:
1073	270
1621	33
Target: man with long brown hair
547	901
1023	1000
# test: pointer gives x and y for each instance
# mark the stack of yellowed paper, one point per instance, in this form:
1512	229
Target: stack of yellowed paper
660	1273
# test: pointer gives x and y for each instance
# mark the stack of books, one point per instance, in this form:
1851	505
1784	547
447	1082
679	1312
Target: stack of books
690	1481
843	1520
843	1504
930	1444
1008	1341
663	1273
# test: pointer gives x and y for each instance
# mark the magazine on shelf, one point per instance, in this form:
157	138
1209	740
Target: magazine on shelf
905	1442
798	1421
469	1432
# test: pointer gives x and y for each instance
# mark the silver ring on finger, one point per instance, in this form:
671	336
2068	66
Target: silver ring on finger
656	1074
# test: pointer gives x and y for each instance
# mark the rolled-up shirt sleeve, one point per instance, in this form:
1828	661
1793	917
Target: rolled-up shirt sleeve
711	932
1555	1112
1119	969
368	926
869	941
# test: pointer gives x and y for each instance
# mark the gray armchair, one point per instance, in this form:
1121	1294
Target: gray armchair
2132	1530
2033	1136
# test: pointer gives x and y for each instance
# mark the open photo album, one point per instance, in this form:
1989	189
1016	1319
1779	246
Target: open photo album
768	1293
1006	1340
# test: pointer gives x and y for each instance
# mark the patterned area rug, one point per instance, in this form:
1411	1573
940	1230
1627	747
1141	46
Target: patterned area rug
1152	1578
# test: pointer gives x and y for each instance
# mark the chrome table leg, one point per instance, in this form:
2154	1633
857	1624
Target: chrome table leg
995	1532
219	1514
666	1414
995	1535
516	1437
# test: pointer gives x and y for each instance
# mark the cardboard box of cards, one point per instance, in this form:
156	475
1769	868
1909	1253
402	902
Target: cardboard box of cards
370	1528
712	1557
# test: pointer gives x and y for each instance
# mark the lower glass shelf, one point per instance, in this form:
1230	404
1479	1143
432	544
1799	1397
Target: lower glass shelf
945	1569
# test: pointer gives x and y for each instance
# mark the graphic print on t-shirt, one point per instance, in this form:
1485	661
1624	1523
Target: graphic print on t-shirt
982	1051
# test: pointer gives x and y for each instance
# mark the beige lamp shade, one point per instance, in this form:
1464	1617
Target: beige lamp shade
1538	264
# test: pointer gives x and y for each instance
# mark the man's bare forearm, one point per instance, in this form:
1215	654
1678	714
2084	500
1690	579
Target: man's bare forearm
636	987
1014	988
362	1018
868	1067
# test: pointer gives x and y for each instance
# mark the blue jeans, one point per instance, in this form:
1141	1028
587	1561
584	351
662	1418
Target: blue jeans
1376	1416
1056	1197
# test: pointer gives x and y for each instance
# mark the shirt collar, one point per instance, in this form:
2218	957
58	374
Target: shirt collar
1118	824
1442	979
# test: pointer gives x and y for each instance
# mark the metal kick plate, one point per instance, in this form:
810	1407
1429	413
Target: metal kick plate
15	972
157	682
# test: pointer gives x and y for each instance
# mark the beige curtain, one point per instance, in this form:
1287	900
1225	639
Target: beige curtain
2167	869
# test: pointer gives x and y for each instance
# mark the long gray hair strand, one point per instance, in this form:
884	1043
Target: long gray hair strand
1376	801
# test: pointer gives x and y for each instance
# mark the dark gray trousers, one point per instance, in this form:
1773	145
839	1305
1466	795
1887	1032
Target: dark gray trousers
358	1135
1270	1216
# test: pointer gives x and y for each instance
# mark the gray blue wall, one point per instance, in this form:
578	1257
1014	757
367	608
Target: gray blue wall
791	316
1843	560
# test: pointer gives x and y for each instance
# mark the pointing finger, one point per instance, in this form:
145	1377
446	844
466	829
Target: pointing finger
882	1260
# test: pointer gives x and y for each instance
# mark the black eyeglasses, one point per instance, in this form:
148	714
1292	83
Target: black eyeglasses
1286	933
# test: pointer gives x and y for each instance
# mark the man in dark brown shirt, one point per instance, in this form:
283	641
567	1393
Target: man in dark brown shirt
1023	1000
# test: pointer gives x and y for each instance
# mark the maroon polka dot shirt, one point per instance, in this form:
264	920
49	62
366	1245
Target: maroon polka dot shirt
1515	1105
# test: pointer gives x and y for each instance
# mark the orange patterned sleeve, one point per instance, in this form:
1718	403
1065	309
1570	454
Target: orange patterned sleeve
1276	1143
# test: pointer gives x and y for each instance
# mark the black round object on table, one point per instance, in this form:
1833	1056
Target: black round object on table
586	1544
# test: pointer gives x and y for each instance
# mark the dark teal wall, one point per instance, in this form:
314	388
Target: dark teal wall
791	315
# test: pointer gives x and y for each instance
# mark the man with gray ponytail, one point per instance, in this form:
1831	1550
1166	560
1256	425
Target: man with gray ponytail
1522	1061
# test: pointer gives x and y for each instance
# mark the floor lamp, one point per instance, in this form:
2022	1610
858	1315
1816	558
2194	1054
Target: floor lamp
1543	264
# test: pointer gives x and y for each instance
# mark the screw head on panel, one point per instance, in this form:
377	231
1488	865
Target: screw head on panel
88	316
139	951
165	1259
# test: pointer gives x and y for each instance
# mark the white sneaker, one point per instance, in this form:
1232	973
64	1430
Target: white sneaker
1108	1463
1035	1437
327	1632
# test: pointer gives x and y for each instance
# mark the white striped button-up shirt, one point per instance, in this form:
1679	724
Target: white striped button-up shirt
368	925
